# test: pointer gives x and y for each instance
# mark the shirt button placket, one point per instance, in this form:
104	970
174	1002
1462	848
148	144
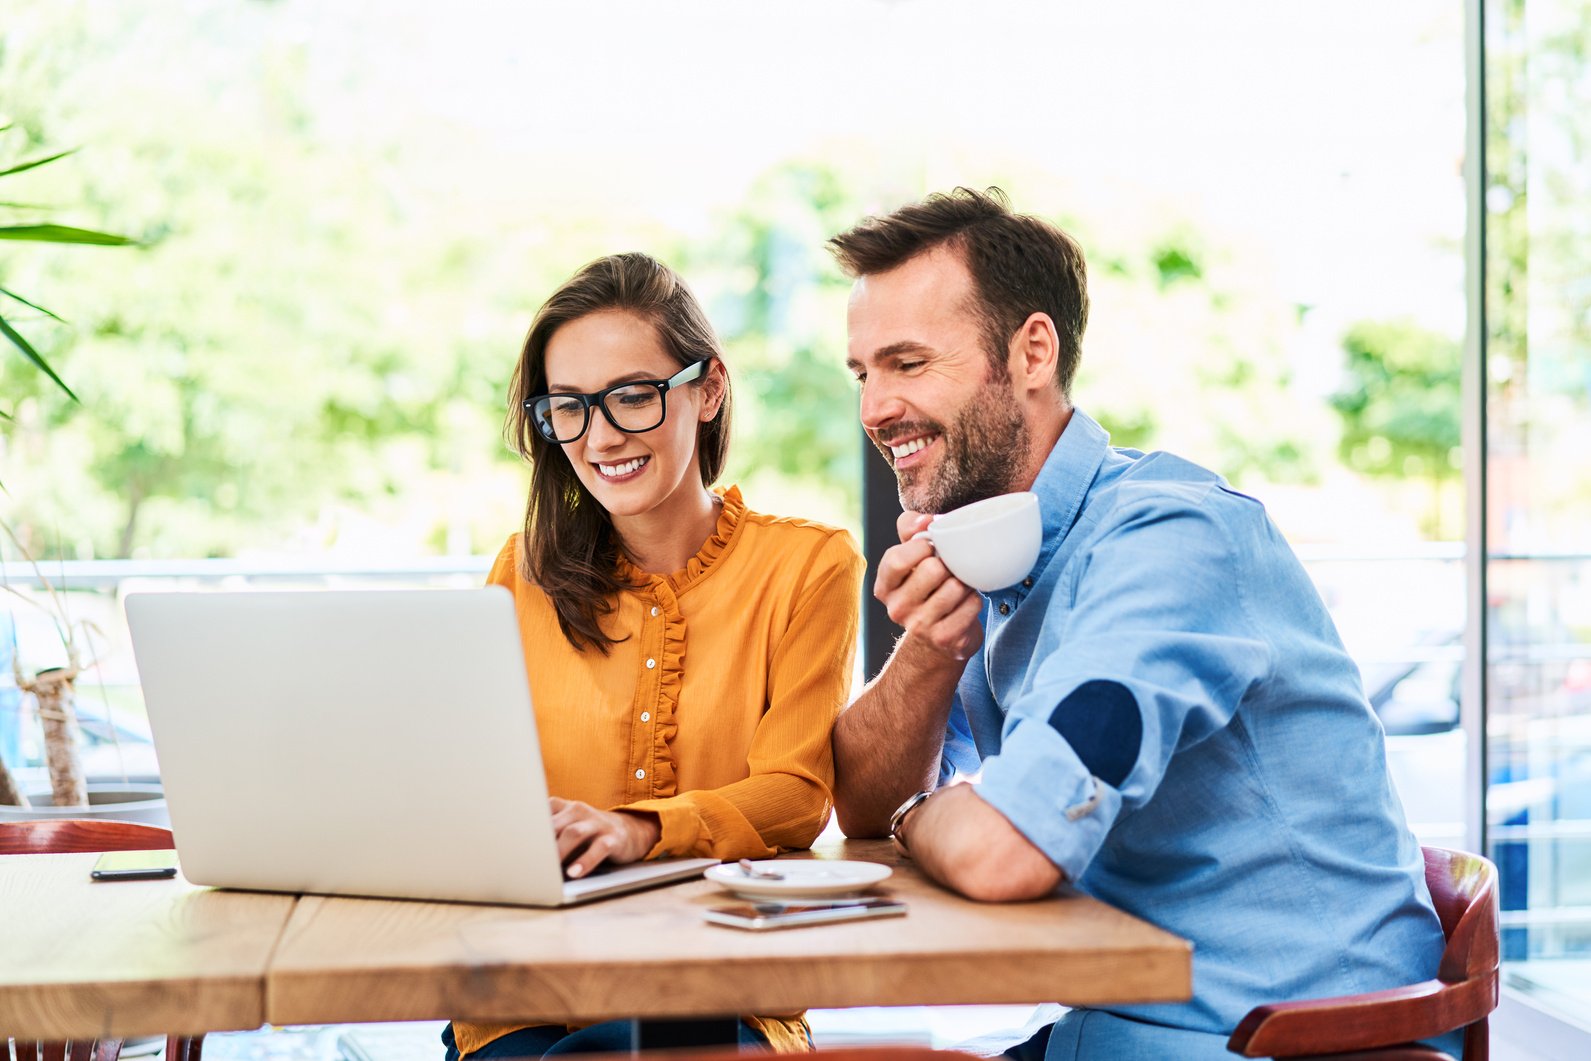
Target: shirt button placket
651	664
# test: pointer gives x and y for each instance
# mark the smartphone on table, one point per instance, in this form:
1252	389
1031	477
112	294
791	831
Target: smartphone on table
766	915
135	865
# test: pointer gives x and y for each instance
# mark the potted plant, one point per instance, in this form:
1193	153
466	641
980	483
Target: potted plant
51	694
53	689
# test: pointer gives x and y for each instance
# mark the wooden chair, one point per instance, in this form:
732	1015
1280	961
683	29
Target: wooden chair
845	1053
62	835
1383	1025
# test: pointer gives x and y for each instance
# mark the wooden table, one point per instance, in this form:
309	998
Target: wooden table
81	959
644	955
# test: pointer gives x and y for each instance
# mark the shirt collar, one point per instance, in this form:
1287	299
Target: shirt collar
718	544
1063	482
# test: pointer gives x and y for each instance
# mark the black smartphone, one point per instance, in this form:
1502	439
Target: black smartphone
762	916
135	865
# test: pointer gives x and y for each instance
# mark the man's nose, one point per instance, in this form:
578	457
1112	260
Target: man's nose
880	405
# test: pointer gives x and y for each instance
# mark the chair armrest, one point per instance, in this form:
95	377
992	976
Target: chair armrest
1362	1022
1406	1052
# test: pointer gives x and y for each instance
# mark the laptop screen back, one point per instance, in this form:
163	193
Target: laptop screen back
349	742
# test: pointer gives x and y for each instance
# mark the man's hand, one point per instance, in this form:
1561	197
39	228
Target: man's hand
587	837
921	595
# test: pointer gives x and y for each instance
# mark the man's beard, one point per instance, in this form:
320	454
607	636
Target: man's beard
984	448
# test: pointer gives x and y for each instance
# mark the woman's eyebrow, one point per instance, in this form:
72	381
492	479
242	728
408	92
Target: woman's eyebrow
628	377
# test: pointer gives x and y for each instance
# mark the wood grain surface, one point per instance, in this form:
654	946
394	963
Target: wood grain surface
651	955
80	958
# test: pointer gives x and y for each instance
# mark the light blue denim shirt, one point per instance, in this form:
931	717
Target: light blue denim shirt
1164	708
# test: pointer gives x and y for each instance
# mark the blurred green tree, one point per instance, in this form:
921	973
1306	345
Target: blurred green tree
778	301
1400	407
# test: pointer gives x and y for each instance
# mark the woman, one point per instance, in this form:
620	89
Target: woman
687	656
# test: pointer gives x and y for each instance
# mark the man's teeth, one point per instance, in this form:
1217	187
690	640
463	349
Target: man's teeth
613	471
906	449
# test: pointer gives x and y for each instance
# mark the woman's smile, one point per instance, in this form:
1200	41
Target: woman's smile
621	471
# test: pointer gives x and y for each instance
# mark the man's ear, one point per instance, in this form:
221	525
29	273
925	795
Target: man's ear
714	387
1035	353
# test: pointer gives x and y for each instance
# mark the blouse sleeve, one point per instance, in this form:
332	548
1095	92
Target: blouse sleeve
786	800
505	568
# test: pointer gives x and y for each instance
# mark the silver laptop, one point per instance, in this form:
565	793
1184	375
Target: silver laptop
369	742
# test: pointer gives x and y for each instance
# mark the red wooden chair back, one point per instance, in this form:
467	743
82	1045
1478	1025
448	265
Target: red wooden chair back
57	836
64	835
843	1053
1385	1024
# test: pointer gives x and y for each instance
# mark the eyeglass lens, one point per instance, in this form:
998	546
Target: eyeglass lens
633	408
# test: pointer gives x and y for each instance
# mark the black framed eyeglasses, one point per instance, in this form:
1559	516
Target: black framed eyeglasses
632	407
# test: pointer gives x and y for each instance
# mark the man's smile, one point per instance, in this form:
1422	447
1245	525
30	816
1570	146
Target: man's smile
906	453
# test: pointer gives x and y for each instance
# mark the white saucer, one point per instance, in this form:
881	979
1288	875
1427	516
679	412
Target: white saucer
804	878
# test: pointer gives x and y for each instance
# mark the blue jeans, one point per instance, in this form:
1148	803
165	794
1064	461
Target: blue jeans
548	1040
1094	1035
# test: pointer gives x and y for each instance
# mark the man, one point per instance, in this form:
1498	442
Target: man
1161	714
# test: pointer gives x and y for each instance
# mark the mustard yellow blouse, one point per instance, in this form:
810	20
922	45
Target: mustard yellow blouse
715	708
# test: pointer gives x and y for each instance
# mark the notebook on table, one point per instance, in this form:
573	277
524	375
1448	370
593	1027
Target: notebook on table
357	742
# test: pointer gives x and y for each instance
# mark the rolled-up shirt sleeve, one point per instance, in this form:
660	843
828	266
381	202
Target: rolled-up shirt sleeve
1155	653
960	752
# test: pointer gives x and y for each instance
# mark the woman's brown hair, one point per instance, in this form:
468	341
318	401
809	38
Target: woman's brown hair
571	549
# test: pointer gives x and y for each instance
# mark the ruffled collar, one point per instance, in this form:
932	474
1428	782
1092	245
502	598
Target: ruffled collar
717	545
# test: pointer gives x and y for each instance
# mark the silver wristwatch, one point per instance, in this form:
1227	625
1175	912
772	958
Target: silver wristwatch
900	816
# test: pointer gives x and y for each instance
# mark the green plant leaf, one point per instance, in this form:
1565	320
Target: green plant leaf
33	355
30	305
63	234
25	206
36	163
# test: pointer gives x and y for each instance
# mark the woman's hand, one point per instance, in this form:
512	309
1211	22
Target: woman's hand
587	837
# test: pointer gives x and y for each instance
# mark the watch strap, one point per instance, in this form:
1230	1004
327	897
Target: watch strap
900	815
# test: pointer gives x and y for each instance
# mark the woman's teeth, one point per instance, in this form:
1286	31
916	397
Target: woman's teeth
613	471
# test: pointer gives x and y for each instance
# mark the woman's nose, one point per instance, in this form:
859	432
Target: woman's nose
601	434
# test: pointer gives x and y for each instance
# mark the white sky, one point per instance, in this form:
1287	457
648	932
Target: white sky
1330	134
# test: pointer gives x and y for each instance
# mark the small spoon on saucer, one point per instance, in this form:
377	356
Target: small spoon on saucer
750	870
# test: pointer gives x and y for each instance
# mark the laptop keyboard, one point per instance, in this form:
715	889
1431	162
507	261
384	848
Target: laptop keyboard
636	874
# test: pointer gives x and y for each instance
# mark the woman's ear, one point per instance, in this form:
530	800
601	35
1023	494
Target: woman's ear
714	387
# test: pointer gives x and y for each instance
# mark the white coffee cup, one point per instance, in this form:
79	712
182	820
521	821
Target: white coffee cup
990	544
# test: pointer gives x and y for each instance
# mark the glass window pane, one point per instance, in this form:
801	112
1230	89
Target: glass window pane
1538	509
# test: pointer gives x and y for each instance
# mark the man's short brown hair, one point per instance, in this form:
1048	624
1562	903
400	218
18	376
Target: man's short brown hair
1020	265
